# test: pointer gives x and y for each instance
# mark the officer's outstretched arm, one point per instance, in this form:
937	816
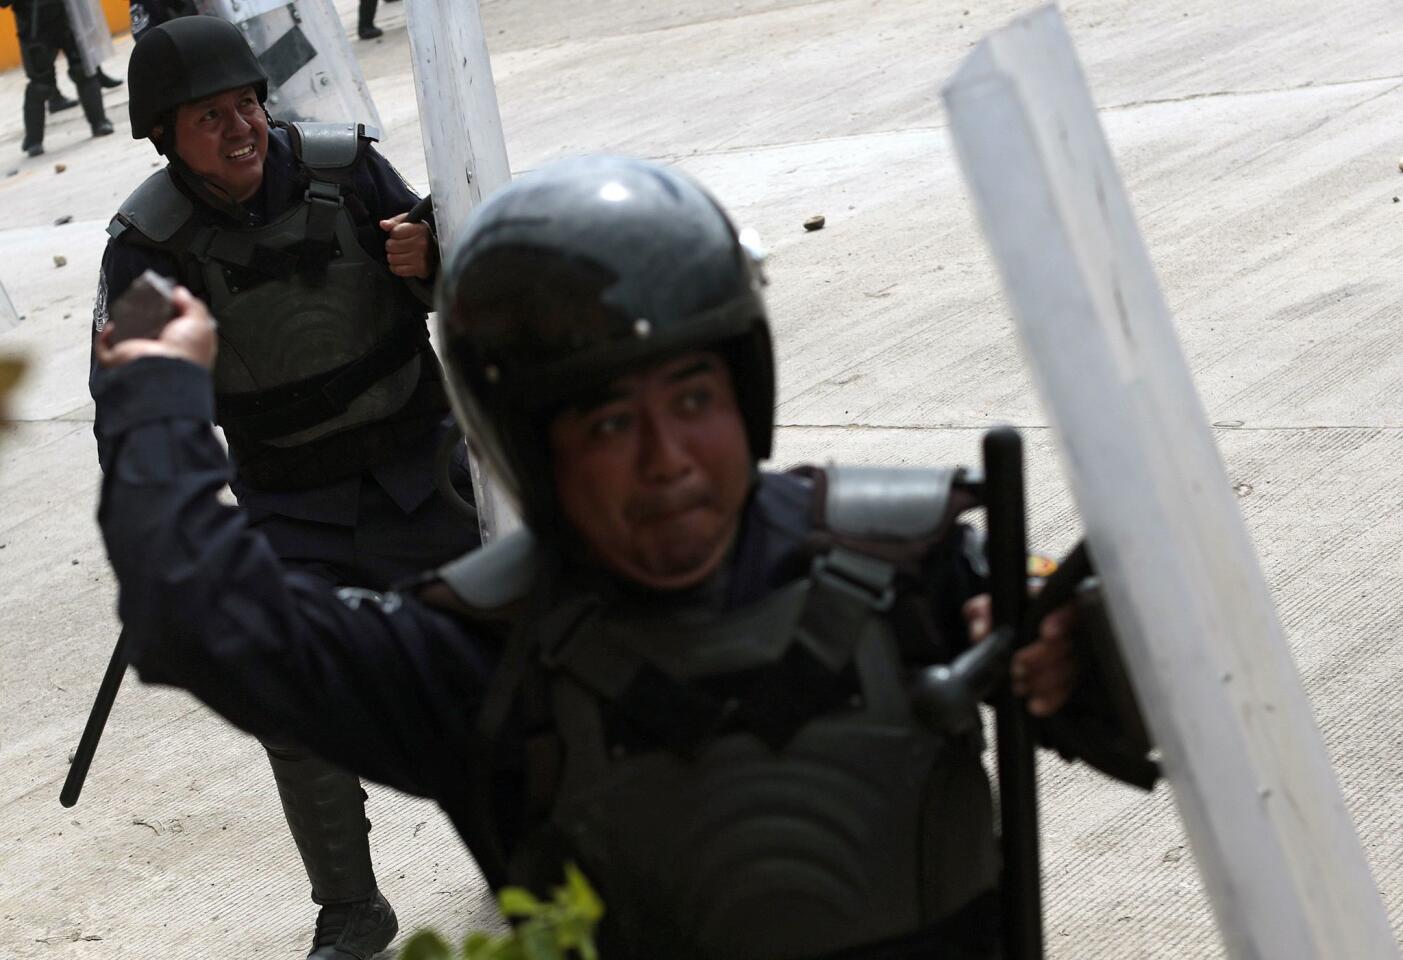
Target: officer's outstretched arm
368	683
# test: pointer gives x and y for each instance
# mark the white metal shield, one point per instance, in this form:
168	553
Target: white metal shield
465	151
1252	781
302	46
89	25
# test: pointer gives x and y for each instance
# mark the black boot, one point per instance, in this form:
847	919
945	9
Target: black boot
325	810
358	930
108	83
90	96
58	102
35	96
366	29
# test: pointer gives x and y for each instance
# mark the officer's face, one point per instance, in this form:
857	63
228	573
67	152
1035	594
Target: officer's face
653	474
224	139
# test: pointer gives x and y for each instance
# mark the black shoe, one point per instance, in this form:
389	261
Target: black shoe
108	82
58	102
102	128
354	931
371	32
33	149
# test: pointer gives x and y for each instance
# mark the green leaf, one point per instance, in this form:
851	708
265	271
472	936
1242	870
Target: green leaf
426	945
518	902
536	941
549	931
478	946
580	896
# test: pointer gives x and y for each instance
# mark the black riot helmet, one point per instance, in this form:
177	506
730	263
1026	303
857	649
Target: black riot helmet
578	273
186	59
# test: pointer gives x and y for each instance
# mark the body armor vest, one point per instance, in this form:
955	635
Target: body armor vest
749	785
324	368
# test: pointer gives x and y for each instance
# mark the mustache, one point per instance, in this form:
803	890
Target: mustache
652	506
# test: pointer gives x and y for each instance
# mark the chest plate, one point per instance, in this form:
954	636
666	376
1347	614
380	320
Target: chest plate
754	785
306	352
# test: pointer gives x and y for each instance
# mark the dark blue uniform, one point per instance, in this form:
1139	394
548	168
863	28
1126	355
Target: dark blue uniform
397	683
367	530
384	683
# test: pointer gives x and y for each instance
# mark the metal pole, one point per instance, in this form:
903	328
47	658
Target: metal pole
465	151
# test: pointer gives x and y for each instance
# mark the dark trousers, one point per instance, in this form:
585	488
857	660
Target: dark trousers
325	805
367	14
43	34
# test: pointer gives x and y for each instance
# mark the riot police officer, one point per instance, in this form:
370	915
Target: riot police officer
329	395
44	31
687	675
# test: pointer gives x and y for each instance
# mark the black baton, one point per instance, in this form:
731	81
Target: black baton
1021	886
420	210
97	719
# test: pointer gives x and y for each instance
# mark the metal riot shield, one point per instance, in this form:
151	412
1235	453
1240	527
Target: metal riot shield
1253	783
89	25
312	73
466	154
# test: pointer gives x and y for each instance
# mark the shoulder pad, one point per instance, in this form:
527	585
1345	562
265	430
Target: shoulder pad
156	209
887	503
495	575
329	146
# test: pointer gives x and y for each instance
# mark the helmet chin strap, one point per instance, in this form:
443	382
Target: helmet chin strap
204	191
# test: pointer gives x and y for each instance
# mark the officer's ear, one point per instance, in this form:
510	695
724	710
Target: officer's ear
158	139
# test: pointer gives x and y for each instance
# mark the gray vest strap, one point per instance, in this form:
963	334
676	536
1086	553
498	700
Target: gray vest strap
887	503
156	209
329	146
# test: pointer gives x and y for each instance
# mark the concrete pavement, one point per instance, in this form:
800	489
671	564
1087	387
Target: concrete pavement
1260	145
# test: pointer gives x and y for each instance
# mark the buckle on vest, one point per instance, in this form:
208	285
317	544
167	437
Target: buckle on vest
865	578
320	191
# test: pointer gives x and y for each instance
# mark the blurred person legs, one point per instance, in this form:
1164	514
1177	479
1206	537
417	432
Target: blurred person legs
58	102
38	60
43	32
366	28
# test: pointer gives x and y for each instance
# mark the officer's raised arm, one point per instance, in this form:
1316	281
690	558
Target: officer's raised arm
209	607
